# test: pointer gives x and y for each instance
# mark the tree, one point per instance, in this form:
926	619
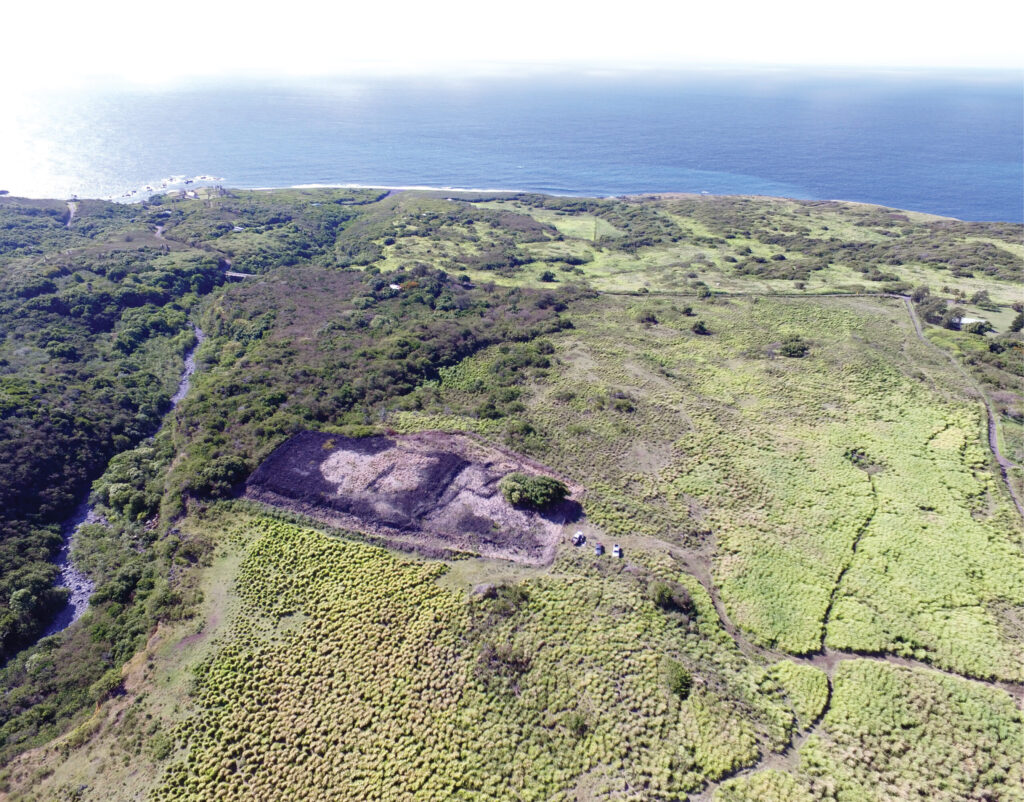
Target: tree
110	684
920	293
547	275
22	602
981	298
535	492
700	328
932	309
217	478
951	320
1018	322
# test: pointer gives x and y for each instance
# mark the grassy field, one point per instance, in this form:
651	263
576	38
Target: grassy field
857	462
898	734
549	685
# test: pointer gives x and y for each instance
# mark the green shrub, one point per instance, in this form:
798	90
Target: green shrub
536	492
794	347
576	723
110	684
671	596
677	678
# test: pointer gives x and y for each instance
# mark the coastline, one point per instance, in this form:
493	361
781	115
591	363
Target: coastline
512	191
206	183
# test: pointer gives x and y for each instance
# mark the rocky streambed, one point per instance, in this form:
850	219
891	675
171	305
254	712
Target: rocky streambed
78	583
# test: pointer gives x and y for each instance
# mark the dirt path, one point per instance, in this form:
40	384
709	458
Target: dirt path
1005	464
698	565
846	566
788	760
72	210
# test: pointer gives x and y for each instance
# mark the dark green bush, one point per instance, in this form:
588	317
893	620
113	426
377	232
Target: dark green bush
671	596
536	492
794	347
677	678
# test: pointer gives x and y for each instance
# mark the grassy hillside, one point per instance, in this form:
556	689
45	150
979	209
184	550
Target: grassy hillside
772	405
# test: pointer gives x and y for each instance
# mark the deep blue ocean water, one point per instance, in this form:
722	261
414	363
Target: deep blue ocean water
949	145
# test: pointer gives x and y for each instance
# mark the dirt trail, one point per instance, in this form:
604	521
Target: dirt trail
846	566
787	760
697	563
72	210
1005	464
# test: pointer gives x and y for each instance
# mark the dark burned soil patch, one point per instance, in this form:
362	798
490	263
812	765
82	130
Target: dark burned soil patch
432	492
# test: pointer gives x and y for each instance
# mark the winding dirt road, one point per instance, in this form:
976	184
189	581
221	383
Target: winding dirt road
698	565
1005	464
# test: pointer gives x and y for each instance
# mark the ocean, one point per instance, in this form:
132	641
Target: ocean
944	144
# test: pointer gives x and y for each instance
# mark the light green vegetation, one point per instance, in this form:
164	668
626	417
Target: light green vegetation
938	498
769	785
900	734
894	733
576	226
997	376
717	440
349	672
766	245
805	686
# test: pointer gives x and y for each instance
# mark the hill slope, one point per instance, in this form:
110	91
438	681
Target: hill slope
782	411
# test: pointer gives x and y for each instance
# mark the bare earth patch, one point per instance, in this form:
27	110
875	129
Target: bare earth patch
432	492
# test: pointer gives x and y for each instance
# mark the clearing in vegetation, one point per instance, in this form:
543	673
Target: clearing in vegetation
433	492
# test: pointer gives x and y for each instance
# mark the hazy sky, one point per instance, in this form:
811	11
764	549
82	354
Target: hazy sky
60	42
